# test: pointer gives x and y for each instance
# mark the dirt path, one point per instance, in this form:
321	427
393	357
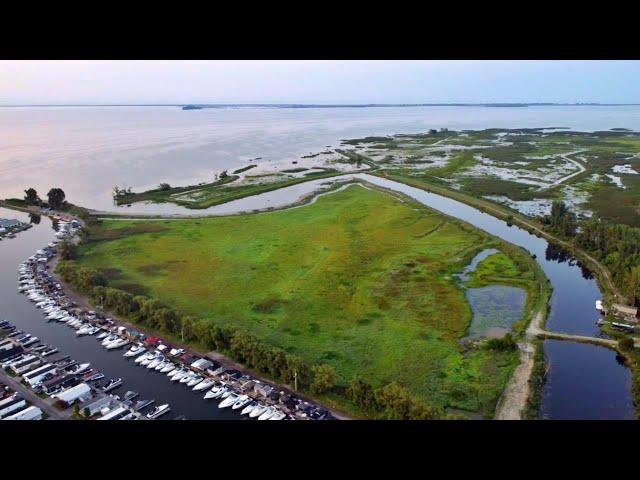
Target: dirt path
515	395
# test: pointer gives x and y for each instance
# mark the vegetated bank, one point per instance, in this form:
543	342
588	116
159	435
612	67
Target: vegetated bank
353	296
218	192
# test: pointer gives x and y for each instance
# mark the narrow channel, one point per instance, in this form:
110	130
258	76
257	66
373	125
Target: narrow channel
574	368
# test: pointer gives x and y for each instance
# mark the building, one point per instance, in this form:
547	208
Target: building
80	392
630	314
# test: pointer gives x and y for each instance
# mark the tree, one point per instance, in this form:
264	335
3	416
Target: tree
562	220
362	394
626	344
324	378
56	198
31	197
224	174
68	251
164	186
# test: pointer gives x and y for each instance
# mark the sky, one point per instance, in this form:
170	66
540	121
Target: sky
340	81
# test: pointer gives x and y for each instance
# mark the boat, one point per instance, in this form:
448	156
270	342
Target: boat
226	393
50	351
149	359
168	367
95	377
227	402
247	410
599	306
188	377
159	411
258	410
204	385
194	381
160	366
241	402
118	343
155	362
81	368
212	393
85	330
112	384
130	395
180	375
140	404
267	414
277	416
174	372
143	357
103	335
222	390
108	339
134	350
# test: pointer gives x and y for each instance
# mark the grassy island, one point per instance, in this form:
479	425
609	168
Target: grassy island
361	281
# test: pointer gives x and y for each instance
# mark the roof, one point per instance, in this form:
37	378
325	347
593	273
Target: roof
73	393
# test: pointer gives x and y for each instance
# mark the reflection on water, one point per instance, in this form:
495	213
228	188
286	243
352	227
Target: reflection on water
586	382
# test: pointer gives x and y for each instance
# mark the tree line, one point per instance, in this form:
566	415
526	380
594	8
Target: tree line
616	246
56	198
388	402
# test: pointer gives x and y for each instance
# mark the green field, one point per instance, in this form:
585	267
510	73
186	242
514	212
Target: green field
360	280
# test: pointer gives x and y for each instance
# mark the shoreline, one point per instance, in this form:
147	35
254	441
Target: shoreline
517	393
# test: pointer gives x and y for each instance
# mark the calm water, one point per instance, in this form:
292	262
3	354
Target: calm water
578	387
88	150
21	312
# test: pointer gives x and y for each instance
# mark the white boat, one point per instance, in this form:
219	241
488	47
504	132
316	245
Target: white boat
134	350
204	385
154	363
226	393
599	306
85	330
81	368
277	416
111	384
222	390
168	367
241	402
118	343
149	359
103	335
247	410
174	372
159	411
267	414
161	365
143	357
110	338
227	402
194	381
212	393
257	411
180	375
188	377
